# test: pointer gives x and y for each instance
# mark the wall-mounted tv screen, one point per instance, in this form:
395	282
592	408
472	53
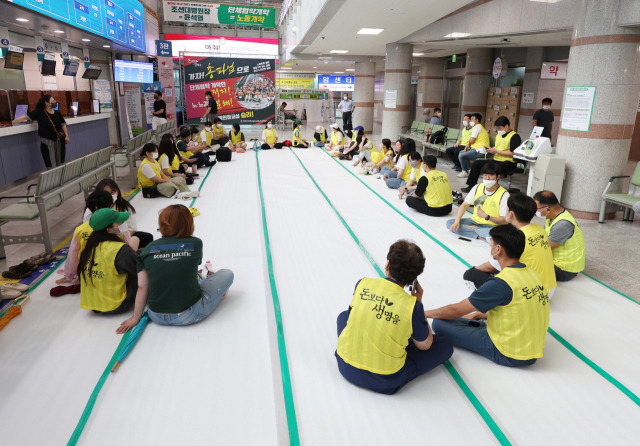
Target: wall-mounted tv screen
92	72
131	71
14	60
21	110
71	68
48	67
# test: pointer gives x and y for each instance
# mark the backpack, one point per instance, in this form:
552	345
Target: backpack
223	154
287	143
439	137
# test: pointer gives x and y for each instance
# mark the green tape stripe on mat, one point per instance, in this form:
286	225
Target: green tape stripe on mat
495	429
292	423
612	289
563	341
201	184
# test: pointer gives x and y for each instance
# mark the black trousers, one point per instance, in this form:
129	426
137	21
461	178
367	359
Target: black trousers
504	167
564	276
421	206
222	141
145	238
346	120
476	276
44	150
453	153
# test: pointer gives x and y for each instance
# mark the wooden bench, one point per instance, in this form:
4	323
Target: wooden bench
53	188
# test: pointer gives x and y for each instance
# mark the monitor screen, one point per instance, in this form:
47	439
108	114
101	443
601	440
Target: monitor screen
130	71
71	68
14	60
48	68
21	110
92	72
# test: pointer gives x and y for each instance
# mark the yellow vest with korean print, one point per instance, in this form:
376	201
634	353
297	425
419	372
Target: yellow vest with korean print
538	254
491	205
186	153
438	193
82	233
207	137
379	327
174	165
482	140
323	136
569	257
271	136
518	330
465	136
235	137
336	139
296	137
504	143
218	132
106	289
144	181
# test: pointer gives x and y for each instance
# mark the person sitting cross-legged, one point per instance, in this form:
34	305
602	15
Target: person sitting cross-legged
433	195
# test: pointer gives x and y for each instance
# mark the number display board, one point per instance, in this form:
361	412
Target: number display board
336	83
244	89
121	21
131	71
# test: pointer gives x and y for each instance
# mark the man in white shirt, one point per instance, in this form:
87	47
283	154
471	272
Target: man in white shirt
346	107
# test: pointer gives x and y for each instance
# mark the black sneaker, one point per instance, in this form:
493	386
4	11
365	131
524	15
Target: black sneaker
466	189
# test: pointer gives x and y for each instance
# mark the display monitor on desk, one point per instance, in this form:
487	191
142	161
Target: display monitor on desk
536	132
21	110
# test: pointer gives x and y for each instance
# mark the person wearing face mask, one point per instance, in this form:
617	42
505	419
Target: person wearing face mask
506	319
489	201
320	137
52	130
352	147
565	236
338	140
409	175
150	174
236	139
159	111
507	141
537	252
297	139
476	147
433	195
347	108
269	136
107	266
454	151
206	135
435	118
212	108
365	149
544	118
219	136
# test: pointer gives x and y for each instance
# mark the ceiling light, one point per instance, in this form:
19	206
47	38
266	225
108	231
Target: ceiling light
20	19
59	31
350	69
106	46
86	40
457	35
418	54
339	51
339	72
315	67
325	57
372	31
285	68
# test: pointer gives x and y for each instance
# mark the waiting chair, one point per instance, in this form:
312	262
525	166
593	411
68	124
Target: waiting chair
621	199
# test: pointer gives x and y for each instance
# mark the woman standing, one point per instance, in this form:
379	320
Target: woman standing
52	129
150	174
168	275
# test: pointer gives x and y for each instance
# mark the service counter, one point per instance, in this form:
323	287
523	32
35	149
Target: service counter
20	154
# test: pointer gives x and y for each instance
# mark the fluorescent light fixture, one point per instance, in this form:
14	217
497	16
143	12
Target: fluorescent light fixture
315	67
106	46
325	57
59	31
457	35
371	31
418	54
86	40
20	19
339	72
285	68
545	1
350	69
339	51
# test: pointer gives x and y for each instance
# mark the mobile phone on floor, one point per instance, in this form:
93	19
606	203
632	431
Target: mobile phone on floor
465	239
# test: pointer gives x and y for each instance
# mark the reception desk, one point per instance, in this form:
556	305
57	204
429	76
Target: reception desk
20	154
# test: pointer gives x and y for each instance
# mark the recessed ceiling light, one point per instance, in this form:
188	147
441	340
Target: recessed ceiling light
86	40
315	67
285	68
339	51
350	69
59	31
325	57
20	19
418	54
372	31
457	35
339	72
106	46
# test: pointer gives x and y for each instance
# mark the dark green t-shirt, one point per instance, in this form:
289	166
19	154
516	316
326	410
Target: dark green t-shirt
172	268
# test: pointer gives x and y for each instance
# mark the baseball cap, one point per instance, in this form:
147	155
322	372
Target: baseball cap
298	122
103	218
335	125
359	129
319	129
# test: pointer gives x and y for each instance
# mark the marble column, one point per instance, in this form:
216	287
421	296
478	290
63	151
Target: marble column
397	77
605	56
533	64
363	95
477	79
430	87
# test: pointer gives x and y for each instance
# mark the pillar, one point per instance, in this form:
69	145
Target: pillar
477	79
363	94
397	77
532	68
605	56
430	87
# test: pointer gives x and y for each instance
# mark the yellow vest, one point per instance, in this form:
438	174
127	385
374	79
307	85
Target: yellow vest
296	137
144	181
174	165
186	153
218	132
482	140
335	139
271	136
373	149
465	136
323	136
438	193
406	174
379	327
207	138
504	143
83	232
518	330
491	205
106	290
376	157
236	137
569	257
538	254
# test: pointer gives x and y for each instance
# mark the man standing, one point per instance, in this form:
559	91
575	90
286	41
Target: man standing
544	118
435	119
346	107
159	110
212	108
565	236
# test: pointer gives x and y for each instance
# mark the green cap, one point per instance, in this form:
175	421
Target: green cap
103	218
298	122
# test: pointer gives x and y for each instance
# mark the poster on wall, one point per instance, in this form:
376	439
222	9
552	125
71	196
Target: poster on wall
577	108
148	91
102	92
244	89
165	75
134	108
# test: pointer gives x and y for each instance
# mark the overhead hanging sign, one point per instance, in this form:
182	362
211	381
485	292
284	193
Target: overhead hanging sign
554	70
336	83
217	14
577	108
224	46
295	81
163	48
497	68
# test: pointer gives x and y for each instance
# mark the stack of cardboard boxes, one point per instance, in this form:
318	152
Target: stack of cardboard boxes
502	101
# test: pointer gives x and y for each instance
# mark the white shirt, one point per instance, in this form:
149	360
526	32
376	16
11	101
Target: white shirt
475	131
413	173
345	106
503	201
131	222
264	135
164	163
147	171
402	163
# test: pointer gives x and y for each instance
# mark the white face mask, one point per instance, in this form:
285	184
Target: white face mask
123	228
465	123
218	125
472	124
269	125
491	252
115	197
155	155
208	129
489	183
501	132
538	214
546	107
345	98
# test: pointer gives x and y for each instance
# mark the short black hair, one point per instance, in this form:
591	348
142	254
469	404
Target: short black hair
547	101
99	199
478	116
284	104
185	133
510	238
194	130
546	197
502	121
406	262
522	206
437	109
167	136
207	124
208	93
490	169
159	93
466	115
415	156
430	161
217	120
148	148
236	127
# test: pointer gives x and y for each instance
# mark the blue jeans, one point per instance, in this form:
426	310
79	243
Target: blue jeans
396	183
465	229
318	144
213	288
388	173
468	156
475	339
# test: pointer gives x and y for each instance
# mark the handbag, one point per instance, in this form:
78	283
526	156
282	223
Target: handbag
61	135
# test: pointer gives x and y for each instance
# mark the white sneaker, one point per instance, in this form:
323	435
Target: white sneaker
215	147
463	174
